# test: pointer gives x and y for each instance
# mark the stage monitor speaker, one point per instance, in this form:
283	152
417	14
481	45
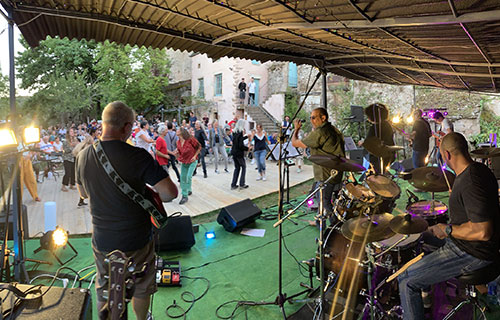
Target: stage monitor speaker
403	166
25	223
357	114
357	155
238	214
178	234
57	303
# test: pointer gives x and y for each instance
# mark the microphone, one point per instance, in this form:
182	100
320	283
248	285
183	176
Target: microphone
310	262
302	121
412	197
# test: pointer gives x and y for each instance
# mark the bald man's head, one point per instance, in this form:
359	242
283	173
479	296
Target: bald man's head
116	114
455	143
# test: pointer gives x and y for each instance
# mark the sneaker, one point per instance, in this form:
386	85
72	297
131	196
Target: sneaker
299	170
259	178
216	171
234	187
244	186
190	193
252	162
183	200
82	202
149	316
205	175
64	188
264	178
226	171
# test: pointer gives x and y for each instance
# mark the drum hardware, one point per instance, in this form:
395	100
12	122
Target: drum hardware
412	198
368	228
485	152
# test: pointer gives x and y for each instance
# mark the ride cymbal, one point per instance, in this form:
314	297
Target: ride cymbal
336	162
368	228
408	224
486	152
431	179
378	148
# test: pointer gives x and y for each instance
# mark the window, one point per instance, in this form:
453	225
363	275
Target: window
292	75
255	62
218	84
201	88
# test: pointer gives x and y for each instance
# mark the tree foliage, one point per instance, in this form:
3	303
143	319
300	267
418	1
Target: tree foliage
71	78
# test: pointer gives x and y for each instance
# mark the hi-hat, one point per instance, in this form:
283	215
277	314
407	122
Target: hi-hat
486	152
383	186
408	224
336	162
368	228
378	148
431	179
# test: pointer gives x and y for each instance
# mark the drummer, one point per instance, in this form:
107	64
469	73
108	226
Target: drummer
325	139
378	115
471	238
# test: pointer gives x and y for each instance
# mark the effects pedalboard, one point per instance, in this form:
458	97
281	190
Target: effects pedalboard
168	273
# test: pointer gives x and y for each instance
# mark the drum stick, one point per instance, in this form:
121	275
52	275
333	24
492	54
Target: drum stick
406	266
445	176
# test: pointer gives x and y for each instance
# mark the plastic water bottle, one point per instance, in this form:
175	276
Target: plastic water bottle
492	293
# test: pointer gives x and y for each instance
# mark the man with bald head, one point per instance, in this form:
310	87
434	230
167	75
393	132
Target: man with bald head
118	222
471	239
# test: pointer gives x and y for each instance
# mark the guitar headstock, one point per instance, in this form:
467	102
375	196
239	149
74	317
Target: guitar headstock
118	264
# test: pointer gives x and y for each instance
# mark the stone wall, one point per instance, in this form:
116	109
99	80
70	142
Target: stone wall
180	65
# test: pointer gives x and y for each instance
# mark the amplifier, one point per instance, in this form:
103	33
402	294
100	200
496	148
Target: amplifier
57	303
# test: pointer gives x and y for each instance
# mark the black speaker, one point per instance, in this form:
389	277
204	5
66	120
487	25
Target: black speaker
357	155
357	114
57	303
176	235
25	223
405	165
495	166
238	214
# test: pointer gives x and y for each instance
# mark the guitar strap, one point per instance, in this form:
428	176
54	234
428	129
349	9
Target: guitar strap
124	187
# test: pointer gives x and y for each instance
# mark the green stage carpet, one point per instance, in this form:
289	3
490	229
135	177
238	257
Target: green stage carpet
238	267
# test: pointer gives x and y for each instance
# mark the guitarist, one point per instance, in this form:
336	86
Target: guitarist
445	127
119	223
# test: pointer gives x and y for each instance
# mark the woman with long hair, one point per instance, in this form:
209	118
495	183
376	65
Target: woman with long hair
259	151
187	152
238	153
68	145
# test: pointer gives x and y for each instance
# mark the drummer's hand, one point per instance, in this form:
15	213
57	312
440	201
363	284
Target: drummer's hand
438	230
297	124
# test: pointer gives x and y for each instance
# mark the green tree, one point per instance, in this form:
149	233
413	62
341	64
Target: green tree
292	103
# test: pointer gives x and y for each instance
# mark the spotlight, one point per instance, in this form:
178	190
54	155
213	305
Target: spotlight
31	135
426	159
409	119
396	119
7	138
53	240
209	235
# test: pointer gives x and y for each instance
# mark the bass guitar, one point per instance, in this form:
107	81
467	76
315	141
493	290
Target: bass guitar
158	216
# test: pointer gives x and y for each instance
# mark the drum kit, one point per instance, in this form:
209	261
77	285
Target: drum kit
367	244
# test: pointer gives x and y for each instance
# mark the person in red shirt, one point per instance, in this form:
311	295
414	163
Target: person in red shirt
161	148
187	152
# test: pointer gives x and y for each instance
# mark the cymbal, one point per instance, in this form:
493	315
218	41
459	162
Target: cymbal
431	179
336	162
485	152
383	186
360	192
372	228
408	224
378	148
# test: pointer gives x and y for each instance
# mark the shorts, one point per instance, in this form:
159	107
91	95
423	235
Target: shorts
144	286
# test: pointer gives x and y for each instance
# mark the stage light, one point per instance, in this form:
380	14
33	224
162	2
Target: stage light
426	159
7	138
396	119
54	239
209	235
409	119
31	135
310	203
60	237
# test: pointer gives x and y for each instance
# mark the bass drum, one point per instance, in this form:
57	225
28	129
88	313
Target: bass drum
342	258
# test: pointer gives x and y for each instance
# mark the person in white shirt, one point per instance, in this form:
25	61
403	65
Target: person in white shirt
143	140
58	145
251	92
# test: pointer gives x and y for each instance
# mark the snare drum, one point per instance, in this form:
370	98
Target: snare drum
433	211
400	253
386	190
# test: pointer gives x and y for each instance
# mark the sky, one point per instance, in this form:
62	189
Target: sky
4	45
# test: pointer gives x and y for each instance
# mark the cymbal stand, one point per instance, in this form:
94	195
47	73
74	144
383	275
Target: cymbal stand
372	305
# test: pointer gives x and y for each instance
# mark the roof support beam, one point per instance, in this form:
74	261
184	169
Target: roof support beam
404	74
423	70
484	16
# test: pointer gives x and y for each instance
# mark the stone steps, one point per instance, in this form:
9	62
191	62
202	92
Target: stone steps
260	117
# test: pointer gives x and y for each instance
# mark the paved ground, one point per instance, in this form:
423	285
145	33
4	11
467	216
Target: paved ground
209	194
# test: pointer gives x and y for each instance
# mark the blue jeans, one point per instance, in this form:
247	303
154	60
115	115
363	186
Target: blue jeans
260	156
447	262
187	176
418	158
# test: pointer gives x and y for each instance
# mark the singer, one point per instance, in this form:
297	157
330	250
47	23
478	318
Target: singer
325	139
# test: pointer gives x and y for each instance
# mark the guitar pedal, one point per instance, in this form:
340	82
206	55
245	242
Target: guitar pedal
168	273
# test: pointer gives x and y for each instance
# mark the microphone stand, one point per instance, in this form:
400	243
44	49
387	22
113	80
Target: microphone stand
282	298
